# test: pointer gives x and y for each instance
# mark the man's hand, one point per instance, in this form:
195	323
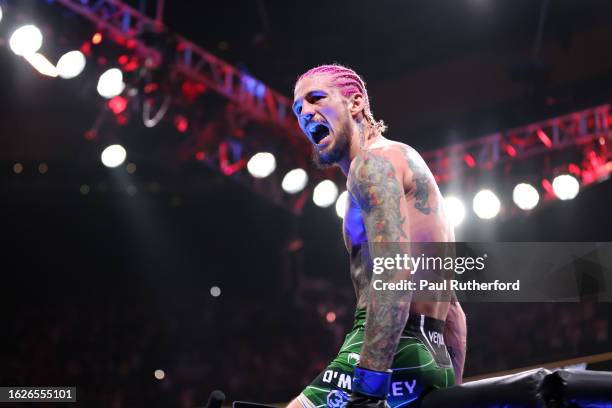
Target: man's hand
369	388
358	401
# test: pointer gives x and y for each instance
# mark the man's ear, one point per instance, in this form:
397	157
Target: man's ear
357	104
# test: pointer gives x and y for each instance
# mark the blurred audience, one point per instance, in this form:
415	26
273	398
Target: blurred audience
261	350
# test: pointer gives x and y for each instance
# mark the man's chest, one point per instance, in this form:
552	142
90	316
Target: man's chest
353	228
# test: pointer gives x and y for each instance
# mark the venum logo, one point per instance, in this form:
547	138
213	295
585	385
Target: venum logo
436	338
353	358
337	399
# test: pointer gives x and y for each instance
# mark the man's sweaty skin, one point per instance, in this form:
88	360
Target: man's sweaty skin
393	198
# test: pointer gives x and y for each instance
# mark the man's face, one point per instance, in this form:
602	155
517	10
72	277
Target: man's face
323	115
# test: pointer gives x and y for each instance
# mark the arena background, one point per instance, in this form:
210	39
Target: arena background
107	273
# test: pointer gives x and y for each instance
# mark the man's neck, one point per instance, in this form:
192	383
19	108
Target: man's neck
361	140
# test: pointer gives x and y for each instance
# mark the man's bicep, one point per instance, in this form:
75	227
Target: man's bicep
375	181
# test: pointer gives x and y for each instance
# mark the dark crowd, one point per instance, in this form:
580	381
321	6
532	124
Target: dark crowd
252	350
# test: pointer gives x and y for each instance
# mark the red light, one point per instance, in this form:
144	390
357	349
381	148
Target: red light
602	141
588	177
511	151
574	169
330	317
123	59
200	156
191	90
181	123
86	49
469	160
122	120
117	104
150	88
96	38
132	65
227	168
544	138
547	186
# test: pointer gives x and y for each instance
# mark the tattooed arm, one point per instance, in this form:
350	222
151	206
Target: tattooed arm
375	181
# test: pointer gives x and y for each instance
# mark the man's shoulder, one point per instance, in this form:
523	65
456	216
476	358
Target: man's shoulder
384	157
389	147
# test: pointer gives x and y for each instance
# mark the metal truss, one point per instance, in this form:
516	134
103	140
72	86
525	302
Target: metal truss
249	97
252	96
574	129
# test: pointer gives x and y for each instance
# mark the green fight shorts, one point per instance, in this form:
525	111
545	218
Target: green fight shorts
421	364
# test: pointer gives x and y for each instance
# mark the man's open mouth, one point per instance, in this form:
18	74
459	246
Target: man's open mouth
318	132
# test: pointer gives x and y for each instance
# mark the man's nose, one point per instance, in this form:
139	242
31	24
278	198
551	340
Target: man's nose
307	111
306	117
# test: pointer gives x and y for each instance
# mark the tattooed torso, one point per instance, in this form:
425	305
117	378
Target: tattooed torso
425	222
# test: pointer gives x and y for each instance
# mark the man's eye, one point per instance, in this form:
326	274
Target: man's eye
315	98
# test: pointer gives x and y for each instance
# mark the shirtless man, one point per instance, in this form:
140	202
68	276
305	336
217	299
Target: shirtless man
398	349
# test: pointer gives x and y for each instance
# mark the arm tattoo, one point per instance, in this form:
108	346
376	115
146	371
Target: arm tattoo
374	184
385	320
421	181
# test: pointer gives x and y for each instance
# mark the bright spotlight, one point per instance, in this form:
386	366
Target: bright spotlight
113	156
26	40
111	83
0	13
565	187
455	210
294	181
525	196
325	193
215	291
261	165
71	64
159	374
341	204
486	205
41	64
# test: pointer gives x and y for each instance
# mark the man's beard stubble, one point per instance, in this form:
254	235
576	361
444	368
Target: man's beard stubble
333	153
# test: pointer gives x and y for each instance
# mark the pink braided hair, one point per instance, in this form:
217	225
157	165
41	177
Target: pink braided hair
349	83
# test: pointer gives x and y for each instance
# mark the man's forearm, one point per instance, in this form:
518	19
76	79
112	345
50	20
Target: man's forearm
386	318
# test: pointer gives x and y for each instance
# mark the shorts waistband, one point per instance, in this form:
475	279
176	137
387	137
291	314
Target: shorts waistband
415	322
418	321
